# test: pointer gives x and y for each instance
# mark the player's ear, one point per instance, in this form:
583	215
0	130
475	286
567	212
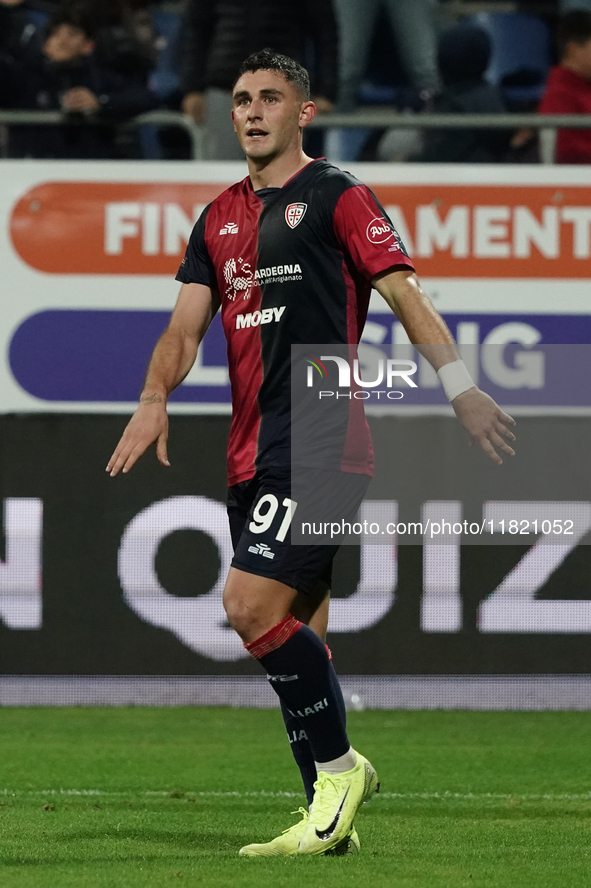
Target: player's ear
307	113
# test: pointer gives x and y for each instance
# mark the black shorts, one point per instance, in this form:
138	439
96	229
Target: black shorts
261	511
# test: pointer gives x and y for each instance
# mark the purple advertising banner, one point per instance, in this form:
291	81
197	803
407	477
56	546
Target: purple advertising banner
76	355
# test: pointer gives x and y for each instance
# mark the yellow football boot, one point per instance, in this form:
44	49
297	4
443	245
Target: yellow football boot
337	798
286	845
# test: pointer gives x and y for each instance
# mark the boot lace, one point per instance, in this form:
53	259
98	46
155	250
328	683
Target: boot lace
326	792
300	823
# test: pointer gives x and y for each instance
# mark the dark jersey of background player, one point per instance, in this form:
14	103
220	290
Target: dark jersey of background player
292	265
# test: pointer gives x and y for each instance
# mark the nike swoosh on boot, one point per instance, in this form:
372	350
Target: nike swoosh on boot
325	834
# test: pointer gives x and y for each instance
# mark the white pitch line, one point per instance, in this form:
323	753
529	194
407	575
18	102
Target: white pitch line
280	794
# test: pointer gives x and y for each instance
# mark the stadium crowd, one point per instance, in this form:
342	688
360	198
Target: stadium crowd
100	63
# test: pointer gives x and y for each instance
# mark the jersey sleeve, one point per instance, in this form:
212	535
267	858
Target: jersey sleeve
365	232
197	267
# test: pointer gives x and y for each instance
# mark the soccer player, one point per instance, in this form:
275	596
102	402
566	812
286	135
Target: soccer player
296	246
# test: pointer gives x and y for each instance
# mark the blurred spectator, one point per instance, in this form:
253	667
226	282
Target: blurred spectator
124	36
220	34
63	74
16	28
568	88
16	34
463	56
569	5
414	33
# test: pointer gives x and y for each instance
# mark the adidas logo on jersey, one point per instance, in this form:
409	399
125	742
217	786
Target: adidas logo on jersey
229	228
254	318
262	549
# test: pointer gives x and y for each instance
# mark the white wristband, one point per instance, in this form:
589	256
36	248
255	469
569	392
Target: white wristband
455	379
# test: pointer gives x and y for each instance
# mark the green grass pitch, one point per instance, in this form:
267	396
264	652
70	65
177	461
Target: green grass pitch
123	798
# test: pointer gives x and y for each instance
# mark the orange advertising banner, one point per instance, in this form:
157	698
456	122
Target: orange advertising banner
500	231
108	227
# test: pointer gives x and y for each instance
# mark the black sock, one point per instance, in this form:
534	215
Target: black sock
298	739
300	748
300	672
336	687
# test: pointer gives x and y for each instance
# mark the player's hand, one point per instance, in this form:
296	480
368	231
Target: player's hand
148	424
485	422
193	105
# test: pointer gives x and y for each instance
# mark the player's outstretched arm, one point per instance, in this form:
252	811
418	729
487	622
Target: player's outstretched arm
173	357
482	417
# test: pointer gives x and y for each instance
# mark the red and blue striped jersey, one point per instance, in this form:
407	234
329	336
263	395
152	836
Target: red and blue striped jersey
294	268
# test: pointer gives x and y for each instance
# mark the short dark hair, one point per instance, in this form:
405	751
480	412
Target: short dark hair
269	60
72	16
573	27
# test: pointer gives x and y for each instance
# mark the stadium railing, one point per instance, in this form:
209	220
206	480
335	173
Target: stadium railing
547	124
155	119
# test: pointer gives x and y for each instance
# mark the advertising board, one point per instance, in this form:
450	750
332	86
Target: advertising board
89	253
124	578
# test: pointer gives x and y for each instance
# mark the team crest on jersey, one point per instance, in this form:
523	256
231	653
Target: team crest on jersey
239	278
294	213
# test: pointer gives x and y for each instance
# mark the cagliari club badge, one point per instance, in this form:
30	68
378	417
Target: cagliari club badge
294	213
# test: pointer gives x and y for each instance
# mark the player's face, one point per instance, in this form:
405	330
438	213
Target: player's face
268	113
